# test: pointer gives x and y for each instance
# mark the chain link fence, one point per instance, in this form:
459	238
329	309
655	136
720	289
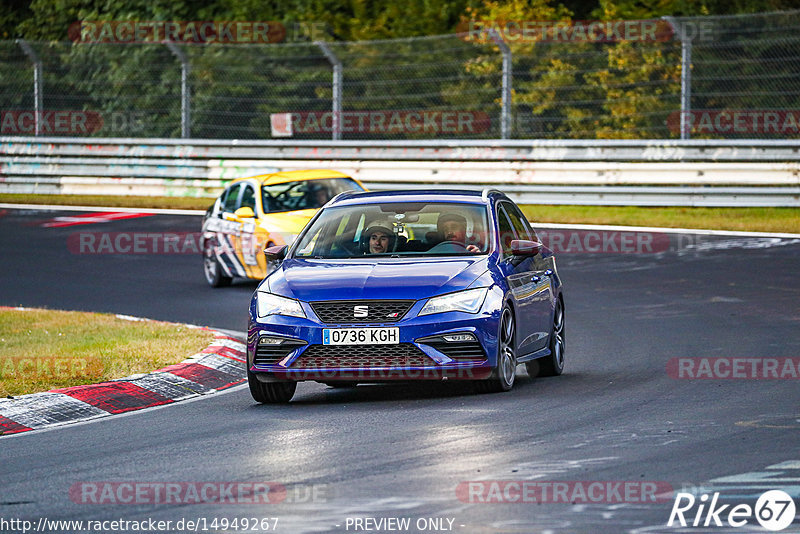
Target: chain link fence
711	77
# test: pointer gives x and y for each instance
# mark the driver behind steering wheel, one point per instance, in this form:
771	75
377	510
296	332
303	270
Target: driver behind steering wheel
454	228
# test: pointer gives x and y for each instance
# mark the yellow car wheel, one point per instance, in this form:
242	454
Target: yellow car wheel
212	269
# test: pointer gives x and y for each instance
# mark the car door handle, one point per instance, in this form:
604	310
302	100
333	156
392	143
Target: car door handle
537	278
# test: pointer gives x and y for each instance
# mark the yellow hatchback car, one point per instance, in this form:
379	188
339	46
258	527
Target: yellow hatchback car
259	212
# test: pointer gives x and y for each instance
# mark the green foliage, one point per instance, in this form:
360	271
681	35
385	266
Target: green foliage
48	20
12	14
573	89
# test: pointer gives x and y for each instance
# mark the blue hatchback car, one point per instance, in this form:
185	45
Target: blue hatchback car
407	285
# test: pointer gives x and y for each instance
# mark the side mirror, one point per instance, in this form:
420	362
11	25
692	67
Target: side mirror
245	212
276	253
523	247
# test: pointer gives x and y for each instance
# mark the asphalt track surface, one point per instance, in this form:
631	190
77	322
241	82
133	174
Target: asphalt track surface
401	451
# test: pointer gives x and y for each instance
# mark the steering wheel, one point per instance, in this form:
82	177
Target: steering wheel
442	247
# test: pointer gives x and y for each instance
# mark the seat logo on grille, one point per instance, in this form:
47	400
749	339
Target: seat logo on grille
360	312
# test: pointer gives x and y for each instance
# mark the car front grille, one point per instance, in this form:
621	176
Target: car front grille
362	356
345	311
468	350
272	354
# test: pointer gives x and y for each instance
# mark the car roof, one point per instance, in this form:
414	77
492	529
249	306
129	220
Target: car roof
292	176
351	198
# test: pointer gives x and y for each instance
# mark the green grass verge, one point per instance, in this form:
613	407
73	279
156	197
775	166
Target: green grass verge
743	219
46	349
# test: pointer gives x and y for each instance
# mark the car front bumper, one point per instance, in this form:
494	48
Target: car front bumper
421	354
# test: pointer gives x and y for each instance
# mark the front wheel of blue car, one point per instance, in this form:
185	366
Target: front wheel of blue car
504	373
270	392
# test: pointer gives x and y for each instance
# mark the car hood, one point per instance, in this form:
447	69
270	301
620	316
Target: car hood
312	279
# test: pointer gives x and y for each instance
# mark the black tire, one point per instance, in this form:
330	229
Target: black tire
270	392
344	384
552	365
504	373
212	269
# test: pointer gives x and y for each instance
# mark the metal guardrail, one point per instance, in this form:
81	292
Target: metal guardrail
423	150
611	172
641	195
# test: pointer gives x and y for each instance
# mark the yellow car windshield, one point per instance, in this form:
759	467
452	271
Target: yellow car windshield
304	194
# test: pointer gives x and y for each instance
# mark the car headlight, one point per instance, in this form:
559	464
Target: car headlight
469	301
269	304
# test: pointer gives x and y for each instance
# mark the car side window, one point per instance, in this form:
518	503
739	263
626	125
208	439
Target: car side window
219	205
507	234
521	225
526	223
229	204
248	198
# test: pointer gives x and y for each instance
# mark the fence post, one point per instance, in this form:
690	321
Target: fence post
37	83
186	110
505	99
336	105
686	76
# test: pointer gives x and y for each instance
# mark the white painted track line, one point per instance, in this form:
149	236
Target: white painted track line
155	211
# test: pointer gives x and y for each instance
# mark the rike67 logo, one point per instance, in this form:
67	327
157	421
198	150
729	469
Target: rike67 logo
774	511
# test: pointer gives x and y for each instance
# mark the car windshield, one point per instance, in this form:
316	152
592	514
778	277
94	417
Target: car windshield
304	194
397	229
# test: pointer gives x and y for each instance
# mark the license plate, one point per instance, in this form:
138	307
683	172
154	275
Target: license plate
361	336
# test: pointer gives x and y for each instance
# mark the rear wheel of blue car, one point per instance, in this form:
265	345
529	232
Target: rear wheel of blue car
270	392
504	373
552	365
